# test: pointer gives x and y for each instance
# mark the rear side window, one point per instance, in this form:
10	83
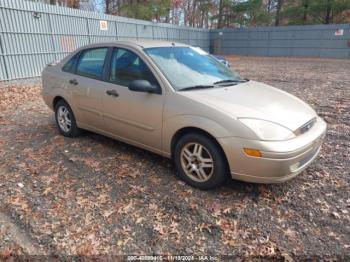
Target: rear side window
70	65
91	62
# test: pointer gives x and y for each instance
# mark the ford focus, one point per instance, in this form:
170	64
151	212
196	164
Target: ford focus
182	103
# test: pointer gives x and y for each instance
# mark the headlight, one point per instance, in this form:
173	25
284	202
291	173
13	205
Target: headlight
267	130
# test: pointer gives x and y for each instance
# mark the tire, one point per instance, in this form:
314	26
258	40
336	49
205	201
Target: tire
191	167
65	119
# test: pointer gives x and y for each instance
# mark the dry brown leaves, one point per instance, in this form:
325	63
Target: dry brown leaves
92	195
12	96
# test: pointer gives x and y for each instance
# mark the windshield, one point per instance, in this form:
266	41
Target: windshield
186	67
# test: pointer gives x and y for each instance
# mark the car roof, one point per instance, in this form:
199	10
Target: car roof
138	43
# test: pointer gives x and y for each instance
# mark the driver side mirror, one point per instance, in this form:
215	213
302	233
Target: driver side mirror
143	86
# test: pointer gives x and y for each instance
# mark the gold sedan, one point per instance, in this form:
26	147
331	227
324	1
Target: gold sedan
182	103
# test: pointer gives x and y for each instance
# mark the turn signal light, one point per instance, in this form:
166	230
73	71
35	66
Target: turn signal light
252	152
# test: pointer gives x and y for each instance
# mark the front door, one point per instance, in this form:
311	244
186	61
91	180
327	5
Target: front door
133	116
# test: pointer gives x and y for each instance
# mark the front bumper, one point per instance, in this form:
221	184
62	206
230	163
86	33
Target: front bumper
280	161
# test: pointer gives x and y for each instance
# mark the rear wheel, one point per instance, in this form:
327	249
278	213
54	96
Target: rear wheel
65	119
200	161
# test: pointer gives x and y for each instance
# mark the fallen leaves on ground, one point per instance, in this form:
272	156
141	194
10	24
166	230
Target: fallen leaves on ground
93	195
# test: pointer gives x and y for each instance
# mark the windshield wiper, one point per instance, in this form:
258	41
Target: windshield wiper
196	87
230	81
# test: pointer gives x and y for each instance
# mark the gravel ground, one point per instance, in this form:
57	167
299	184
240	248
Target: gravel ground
92	195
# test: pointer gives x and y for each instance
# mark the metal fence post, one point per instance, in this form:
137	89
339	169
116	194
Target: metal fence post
268	43
52	37
2	55
116	30
137	32
3	52
88	30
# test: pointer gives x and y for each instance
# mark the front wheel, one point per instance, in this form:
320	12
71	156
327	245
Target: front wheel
200	161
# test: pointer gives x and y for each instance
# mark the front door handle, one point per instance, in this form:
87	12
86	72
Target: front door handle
73	82
112	93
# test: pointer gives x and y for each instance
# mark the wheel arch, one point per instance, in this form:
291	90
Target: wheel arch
190	129
56	99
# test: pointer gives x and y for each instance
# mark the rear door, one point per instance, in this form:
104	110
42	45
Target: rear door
132	116
87	86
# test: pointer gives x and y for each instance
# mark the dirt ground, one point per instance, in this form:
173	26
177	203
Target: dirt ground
92	195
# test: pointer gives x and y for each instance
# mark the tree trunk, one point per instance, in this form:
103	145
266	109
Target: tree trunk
118	7
108	5
187	13
328	12
173	15
76	4
278	12
194	10
221	8
73	4
305	13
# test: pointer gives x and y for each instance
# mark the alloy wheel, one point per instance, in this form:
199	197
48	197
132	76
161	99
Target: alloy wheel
64	119
197	162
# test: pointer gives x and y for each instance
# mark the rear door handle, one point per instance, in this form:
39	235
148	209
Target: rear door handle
73	82
112	93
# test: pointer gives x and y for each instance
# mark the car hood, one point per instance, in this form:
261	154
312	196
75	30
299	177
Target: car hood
256	100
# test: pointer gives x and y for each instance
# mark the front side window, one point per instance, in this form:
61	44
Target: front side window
91	62
126	67
188	66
